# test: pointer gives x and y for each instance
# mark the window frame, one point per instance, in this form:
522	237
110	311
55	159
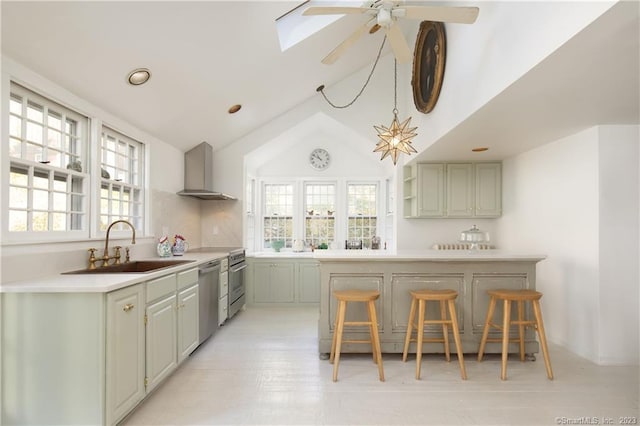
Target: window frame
299	214
89	157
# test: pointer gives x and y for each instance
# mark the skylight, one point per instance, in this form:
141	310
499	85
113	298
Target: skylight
293	27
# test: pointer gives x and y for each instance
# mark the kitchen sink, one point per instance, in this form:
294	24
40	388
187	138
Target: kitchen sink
135	267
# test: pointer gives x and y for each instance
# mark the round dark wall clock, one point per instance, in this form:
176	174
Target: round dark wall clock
428	65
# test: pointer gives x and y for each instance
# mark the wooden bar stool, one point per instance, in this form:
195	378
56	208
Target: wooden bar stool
520	296
444	297
369	297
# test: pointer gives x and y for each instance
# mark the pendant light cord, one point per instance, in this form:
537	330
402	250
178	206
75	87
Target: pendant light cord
395	86
321	88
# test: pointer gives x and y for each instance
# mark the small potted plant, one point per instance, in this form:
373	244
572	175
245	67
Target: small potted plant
277	245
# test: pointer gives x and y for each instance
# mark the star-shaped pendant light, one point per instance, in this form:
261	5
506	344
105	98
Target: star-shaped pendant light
397	137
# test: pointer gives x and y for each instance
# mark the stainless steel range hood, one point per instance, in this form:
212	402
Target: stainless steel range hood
198	174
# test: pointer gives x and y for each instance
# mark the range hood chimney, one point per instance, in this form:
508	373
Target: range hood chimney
198	174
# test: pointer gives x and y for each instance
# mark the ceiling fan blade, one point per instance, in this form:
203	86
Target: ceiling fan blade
458	15
398	44
328	10
346	44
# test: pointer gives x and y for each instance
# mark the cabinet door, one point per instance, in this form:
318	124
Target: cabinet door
188	331
309	282
161	340
460	190
430	190
274	282
125	351
488	194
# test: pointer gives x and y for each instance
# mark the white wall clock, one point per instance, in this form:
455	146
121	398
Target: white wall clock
319	159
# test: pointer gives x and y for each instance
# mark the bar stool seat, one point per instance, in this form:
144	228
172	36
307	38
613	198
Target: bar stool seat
343	297
445	298
519	296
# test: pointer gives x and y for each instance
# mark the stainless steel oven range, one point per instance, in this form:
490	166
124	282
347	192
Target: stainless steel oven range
237	266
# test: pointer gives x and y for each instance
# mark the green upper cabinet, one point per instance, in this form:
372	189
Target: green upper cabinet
453	190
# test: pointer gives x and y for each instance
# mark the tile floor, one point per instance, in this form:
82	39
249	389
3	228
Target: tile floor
262	368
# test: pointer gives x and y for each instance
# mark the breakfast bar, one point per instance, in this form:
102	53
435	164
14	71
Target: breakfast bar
394	274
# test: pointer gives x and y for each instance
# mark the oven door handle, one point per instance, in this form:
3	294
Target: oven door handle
238	269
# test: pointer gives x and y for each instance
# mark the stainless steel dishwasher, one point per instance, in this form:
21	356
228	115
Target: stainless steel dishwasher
208	280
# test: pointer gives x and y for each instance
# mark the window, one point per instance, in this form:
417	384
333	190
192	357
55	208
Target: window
48	180
278	214
121	191
362	219
54	166
319	210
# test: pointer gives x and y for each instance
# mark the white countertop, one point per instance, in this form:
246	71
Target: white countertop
102	283
403	255
421	255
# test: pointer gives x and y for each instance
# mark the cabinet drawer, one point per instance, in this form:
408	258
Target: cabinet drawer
223	310
187	278
224	264
224	284
161	286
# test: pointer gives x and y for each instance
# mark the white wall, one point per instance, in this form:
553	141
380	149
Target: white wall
619	254
177	214
576	200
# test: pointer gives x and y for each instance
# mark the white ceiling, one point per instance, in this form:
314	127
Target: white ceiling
207	56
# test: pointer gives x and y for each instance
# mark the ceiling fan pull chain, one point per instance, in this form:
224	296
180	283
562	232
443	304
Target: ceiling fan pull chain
321	88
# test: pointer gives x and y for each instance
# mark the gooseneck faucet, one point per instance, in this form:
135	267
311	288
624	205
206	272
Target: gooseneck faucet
105	258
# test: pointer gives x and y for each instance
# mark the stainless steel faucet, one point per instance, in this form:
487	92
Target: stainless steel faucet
105	257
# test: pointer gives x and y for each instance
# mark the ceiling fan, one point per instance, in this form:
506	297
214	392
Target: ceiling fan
385	14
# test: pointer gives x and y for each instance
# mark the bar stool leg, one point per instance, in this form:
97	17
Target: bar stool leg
419	337
543	339
339	329
505	338
375	342
456	337
521	327
485	332
407	339
372	330
445	330
335	334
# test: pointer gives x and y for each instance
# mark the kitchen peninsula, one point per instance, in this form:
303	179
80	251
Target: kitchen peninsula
394	274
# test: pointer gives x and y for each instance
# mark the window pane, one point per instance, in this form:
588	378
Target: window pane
35	112
15	105
18	197
18	176
59	221
54	121
59	201
34	152
17	221
55	139
15	148
34	133
40	221
40	200
41	179
15	126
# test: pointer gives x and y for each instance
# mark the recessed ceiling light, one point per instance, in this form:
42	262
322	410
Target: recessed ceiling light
139	76
480	149
235	108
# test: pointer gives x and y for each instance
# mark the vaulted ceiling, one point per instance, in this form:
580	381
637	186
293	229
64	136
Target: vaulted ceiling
207	56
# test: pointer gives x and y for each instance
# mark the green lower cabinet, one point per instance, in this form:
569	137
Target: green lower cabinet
281	281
